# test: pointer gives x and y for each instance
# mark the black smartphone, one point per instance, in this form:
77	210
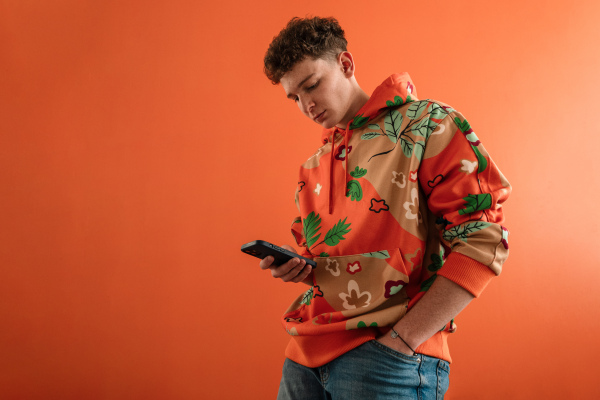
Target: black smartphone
261	249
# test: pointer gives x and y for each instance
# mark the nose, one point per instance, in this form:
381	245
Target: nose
306	104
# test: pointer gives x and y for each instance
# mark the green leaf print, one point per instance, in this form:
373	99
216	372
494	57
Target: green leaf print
419	149
471	137
397	102
437	262
370	135
476	202
354	191
383	254
307	297
422	128
481	160
463	231
375	127
358	172
363	324
416	109
426	284
311	227
436	111
392	121
358	121
463	125
407	147
337	233
323	254
432	125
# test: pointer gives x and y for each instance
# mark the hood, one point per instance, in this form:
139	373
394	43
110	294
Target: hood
396	90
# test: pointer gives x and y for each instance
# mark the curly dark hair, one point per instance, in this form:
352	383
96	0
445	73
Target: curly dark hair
303	37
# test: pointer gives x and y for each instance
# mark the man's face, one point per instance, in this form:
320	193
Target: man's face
321	89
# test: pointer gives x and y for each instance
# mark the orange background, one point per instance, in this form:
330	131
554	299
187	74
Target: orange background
140	146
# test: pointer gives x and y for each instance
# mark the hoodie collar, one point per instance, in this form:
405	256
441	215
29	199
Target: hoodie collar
396	90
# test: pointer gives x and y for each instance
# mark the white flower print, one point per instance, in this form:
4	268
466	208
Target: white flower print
354	267
355	298
413	176
318	189
401	183
412	207
333	266
317	154
468	166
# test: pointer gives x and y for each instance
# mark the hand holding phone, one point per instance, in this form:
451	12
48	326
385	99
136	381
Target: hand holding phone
282	262
262	249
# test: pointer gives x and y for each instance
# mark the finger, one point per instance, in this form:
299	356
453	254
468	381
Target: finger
279	270
294	272
266	262
304	274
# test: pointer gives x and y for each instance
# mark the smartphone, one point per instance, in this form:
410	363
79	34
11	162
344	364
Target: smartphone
261	249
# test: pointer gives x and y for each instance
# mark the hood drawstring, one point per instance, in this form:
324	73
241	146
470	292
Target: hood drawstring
346	133
396	90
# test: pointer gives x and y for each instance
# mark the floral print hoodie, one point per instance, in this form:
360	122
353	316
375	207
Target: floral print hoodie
404	194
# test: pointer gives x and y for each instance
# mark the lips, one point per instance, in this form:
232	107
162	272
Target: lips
319	117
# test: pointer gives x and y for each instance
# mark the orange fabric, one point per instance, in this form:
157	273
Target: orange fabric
405	192
436	346
466	272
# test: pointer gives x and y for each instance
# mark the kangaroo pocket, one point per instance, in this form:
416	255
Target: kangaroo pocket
349	292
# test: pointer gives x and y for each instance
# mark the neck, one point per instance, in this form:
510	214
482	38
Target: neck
359	99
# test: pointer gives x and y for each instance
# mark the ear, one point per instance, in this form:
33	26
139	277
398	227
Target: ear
346	63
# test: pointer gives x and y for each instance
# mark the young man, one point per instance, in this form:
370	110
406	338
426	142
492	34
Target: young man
401	209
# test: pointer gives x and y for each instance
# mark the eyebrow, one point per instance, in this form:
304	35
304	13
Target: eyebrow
291	95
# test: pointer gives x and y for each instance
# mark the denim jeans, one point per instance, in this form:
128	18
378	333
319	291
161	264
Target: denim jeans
369	372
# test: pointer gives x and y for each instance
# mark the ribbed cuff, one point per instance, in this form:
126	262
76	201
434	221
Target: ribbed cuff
472	275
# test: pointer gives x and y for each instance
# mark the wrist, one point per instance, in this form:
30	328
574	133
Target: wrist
396	336
395	344
408	333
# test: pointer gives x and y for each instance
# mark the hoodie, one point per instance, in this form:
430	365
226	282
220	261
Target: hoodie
404	194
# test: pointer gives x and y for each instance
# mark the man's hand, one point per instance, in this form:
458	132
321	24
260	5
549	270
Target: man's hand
295	270
442	302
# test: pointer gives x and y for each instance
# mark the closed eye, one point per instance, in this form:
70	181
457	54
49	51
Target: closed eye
308	89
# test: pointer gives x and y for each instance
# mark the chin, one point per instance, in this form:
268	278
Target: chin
327	124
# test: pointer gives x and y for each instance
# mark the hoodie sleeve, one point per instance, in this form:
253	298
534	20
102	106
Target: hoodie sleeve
465	190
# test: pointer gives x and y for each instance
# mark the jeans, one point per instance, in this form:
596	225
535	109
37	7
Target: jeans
371	371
